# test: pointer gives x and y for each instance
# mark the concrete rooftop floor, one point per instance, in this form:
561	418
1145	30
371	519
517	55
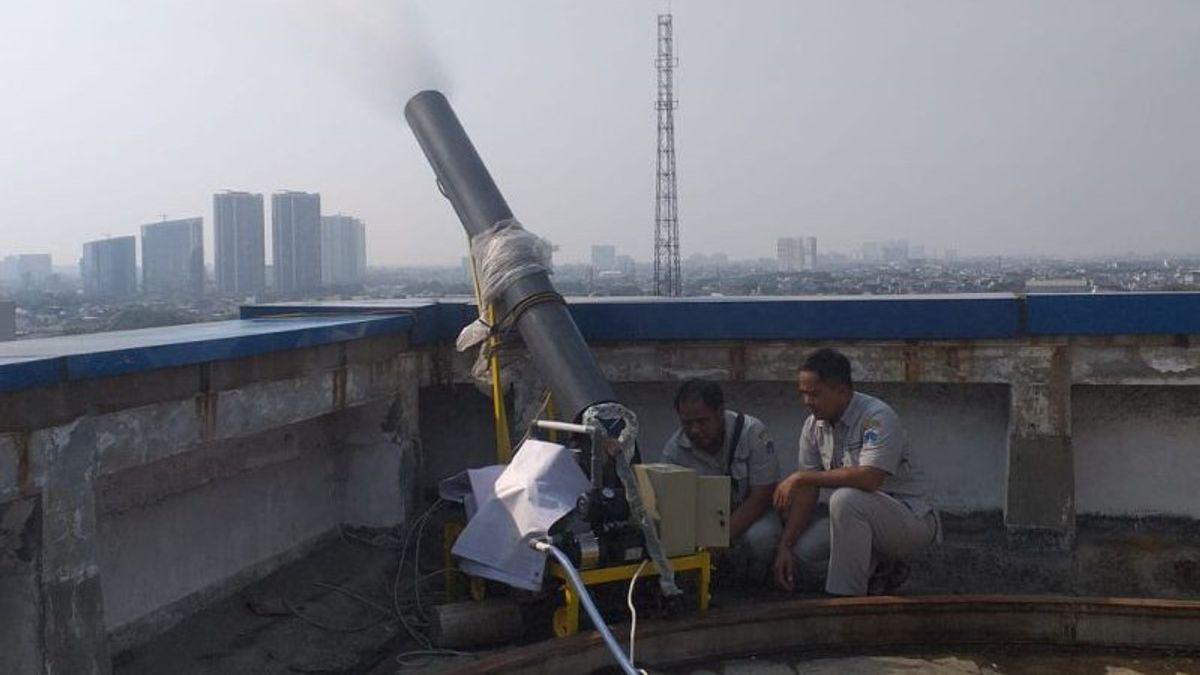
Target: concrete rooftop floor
331	612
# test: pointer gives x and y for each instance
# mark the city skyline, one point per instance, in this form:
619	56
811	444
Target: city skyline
957	125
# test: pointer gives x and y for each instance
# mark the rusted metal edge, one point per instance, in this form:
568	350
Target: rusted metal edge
874	623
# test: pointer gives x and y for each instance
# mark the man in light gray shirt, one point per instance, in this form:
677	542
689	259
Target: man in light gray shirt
879	510
718	442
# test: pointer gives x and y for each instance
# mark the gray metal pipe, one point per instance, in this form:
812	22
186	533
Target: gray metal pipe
559	352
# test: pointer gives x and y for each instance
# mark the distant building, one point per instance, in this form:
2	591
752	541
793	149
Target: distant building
109	268
809	250
8	320
895	251
343	250
872	252
173	258
790	254
625	265
604	257
296	241
795	254
1075	285
238	237
26	270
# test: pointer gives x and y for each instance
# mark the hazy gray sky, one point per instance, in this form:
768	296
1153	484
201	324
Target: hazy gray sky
999	127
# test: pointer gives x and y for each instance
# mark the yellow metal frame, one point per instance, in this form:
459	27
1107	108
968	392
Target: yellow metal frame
503	442
450	532
566	618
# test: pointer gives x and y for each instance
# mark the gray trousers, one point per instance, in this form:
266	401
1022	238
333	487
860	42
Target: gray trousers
861	529
755	548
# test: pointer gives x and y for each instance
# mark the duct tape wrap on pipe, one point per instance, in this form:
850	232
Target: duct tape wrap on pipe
505	253
597	415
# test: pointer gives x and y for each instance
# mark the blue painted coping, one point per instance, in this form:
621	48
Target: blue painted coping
433	320
608	319
1114	314
18	373
940	317
30	363
266	328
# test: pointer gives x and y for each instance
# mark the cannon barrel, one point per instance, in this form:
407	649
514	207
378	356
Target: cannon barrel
559	352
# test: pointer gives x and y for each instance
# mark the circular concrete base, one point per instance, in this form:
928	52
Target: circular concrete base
873	624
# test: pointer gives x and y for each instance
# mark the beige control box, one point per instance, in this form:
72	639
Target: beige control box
688	511
712	511
669	493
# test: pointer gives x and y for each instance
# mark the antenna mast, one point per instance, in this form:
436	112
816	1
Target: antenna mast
667	278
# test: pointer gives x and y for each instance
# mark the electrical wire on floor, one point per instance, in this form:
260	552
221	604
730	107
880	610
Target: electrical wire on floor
428	650
417	560
632	609
409	616
384	541
417	525
324	626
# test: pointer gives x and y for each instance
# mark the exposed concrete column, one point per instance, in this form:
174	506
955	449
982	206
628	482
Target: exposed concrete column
50	592
406	411
381	465
20	597
1040	502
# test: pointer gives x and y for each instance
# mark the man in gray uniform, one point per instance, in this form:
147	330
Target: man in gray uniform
879	510
719	442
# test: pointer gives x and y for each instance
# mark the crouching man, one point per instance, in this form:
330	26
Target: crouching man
879	510
719	442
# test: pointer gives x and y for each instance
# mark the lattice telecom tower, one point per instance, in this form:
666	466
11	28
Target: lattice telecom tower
667	279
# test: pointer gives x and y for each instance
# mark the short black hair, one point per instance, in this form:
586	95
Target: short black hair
830	365
700	390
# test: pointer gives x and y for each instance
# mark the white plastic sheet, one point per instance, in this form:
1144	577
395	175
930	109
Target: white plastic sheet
540	486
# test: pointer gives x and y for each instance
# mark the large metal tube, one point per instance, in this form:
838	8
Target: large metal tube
549	332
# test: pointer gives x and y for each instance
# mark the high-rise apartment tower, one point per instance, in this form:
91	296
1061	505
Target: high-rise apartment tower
239	239
173	258
296	241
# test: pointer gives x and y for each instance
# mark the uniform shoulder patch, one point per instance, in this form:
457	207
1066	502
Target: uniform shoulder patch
871	428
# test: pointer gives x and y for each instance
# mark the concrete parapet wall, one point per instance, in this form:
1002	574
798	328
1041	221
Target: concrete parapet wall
128	502
139	482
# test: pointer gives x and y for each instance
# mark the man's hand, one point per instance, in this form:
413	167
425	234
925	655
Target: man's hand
785	569
784	492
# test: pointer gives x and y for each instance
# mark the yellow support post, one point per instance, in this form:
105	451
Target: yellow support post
499	411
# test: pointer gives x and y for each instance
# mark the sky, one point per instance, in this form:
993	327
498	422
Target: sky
1001	128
